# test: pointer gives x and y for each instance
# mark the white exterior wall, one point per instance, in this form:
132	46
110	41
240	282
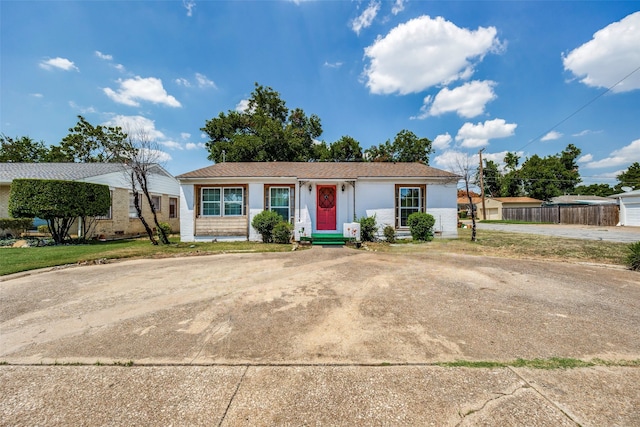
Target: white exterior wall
442	202
187	215
630	211
256	205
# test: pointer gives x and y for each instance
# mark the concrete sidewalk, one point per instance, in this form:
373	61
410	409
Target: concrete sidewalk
317	395
319	337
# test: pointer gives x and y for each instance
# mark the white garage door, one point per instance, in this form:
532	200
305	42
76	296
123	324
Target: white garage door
632	214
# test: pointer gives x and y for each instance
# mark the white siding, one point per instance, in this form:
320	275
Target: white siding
630	211
187	217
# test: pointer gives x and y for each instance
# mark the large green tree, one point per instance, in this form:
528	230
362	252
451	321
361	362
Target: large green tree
265	131
551	176
22	150
346	149
406	147
93	144
629	178
602	190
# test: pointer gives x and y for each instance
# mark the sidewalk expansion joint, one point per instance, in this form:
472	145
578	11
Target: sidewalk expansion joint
233	395
543	396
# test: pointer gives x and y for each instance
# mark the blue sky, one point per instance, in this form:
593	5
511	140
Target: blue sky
530	77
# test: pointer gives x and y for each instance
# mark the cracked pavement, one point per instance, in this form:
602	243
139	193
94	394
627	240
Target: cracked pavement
327	336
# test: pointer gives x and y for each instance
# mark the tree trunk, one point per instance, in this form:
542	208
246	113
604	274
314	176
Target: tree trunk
142	180
473	213
136	202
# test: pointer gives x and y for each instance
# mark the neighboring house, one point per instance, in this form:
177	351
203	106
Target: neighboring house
494	205
629	207
221	200
122	218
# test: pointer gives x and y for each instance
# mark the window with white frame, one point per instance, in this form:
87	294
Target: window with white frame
222	201
157	203
133	213
281	201
409	200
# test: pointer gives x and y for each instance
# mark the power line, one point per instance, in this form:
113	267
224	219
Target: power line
579	109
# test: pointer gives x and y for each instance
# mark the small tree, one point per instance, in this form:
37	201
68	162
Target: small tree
264	223
421	226
58	202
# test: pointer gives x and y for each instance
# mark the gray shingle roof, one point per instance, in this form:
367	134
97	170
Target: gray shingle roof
317	170
62	171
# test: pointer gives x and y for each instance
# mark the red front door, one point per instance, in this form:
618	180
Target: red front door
326	207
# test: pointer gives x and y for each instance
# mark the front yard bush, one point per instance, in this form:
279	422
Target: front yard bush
282	232
166	227
264	223
633	258
389	234
421	226
368	228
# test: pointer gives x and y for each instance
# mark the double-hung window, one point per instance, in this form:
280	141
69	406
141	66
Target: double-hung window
409	200
281	201
222	201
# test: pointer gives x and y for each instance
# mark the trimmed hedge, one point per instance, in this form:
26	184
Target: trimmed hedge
58	202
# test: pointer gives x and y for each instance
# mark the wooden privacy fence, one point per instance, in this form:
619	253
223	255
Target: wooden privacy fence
600	215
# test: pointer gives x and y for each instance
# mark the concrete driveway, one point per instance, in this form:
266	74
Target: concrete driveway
324	336
587	232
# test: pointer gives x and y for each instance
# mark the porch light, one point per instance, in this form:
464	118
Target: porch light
343	188
310	188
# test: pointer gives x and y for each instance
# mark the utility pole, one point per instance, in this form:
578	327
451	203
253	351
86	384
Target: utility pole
484	215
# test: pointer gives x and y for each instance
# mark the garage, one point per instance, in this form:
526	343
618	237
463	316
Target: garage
629	208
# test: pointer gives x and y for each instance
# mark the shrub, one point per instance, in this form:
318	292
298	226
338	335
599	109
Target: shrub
15	226
633	258
43	229
368	228
166	227
282	232
264	223
421	226
389	233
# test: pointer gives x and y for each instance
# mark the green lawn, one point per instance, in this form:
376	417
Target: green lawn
14	260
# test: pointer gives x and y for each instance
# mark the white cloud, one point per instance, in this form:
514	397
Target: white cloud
624	156
478	135
468	100
332	64
449	160
158	156
171	144
425	52
398	7
189	5
83	110
185	135
132	124
204	82
194	146
498	158
147	89
104	56
37	95
242	106
442	141
551	136
183	82
118	67
613	52
585	159
366	17
60	63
